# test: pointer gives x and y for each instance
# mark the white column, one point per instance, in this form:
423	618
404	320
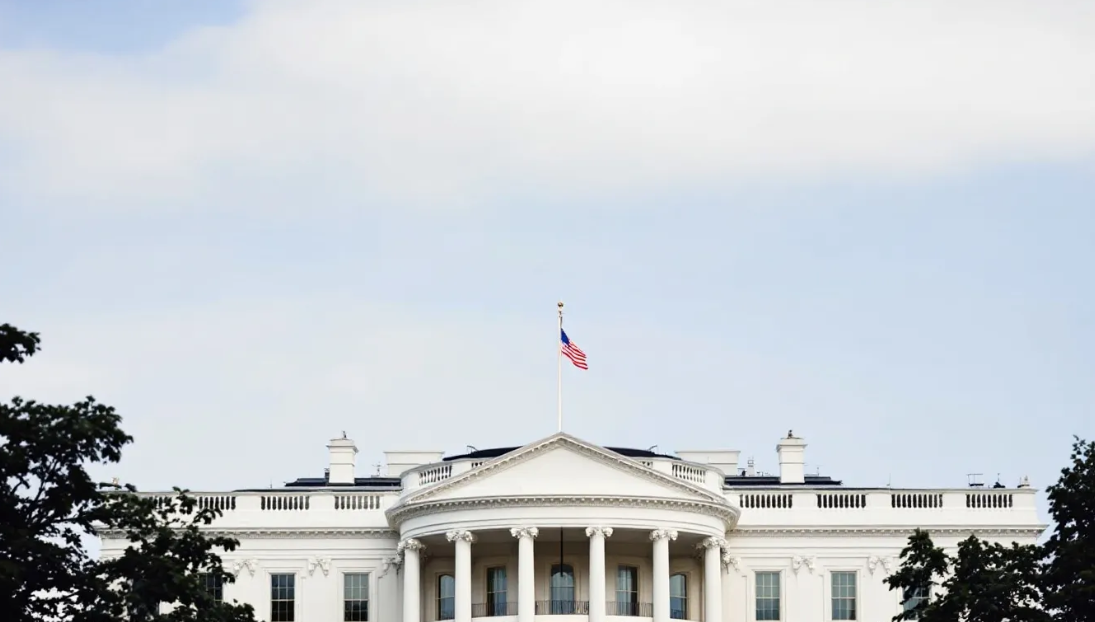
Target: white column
712	579
526	572
597	537
462	600
661	538
412	575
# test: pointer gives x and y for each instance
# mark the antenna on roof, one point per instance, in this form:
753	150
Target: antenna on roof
471	449
377	465
652	448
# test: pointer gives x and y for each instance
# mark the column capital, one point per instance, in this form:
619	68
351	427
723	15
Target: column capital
662	534
460	534
711	543
410	544
524	532
603	531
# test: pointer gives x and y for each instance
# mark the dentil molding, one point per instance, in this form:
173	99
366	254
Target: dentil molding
278	533
727	513
901	532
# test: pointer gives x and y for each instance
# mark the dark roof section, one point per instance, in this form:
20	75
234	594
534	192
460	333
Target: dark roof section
369	483
743	481
487	454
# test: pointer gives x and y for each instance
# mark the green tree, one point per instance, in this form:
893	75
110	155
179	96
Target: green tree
48	502
1069	571
983	583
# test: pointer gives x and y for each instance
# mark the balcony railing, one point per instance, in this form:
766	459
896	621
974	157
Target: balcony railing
491	610
562	607
631	609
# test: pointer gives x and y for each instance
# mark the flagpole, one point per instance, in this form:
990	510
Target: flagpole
559	347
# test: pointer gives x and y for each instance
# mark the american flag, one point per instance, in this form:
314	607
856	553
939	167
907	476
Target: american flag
573	352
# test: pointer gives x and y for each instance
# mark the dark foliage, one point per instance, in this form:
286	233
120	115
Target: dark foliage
48	502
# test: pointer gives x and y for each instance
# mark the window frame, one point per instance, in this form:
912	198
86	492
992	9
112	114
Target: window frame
927	589
491	599
551	587
683	597
437	600
218	586
754	584
630	606
345	574
270	574
856	599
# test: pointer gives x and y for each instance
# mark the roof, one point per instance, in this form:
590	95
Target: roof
486	454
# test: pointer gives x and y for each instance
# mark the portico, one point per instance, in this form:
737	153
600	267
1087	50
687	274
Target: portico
597	573
631	542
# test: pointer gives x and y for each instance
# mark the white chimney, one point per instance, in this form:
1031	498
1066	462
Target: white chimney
343	452
792	459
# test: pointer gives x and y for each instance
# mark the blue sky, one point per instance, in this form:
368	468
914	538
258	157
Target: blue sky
251	226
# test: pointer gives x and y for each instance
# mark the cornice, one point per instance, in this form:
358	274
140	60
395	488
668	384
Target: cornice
279	533
527	452
727	513
981	532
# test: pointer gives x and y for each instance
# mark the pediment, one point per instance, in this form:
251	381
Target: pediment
563	465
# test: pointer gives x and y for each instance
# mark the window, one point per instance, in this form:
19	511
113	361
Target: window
562	590
496	591
355	597
446	597
283	588
678	596
627	591
843	595
913	597
768	596
214	585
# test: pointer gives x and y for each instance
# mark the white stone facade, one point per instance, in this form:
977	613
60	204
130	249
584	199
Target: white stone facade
642	537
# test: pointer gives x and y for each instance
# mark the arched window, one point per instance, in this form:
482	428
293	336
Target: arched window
678	596
446	597
562	589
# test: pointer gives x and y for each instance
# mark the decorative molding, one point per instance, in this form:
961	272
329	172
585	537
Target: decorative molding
731	560
323	564
603	531
887	563
524	532
409	544
727	513
798	561
396	561
277	533
560	440
460	534
663	534
250	564
989	532
710	543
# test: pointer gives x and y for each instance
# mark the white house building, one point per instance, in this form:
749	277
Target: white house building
562	530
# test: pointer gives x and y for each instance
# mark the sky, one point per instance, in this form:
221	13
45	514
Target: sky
250	226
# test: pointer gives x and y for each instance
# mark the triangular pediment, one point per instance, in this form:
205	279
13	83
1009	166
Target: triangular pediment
563	465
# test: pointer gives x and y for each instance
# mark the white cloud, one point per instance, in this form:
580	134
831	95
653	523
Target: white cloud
447	102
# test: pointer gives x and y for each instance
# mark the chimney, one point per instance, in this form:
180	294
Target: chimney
343	451
792	459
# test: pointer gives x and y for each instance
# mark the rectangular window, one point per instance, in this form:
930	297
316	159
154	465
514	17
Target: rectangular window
627	591
913	598
844	595
768	597
496	591
678	596
283	595
214	585
355	597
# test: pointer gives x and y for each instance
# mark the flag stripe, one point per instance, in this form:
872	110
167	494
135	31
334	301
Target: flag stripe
573	352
